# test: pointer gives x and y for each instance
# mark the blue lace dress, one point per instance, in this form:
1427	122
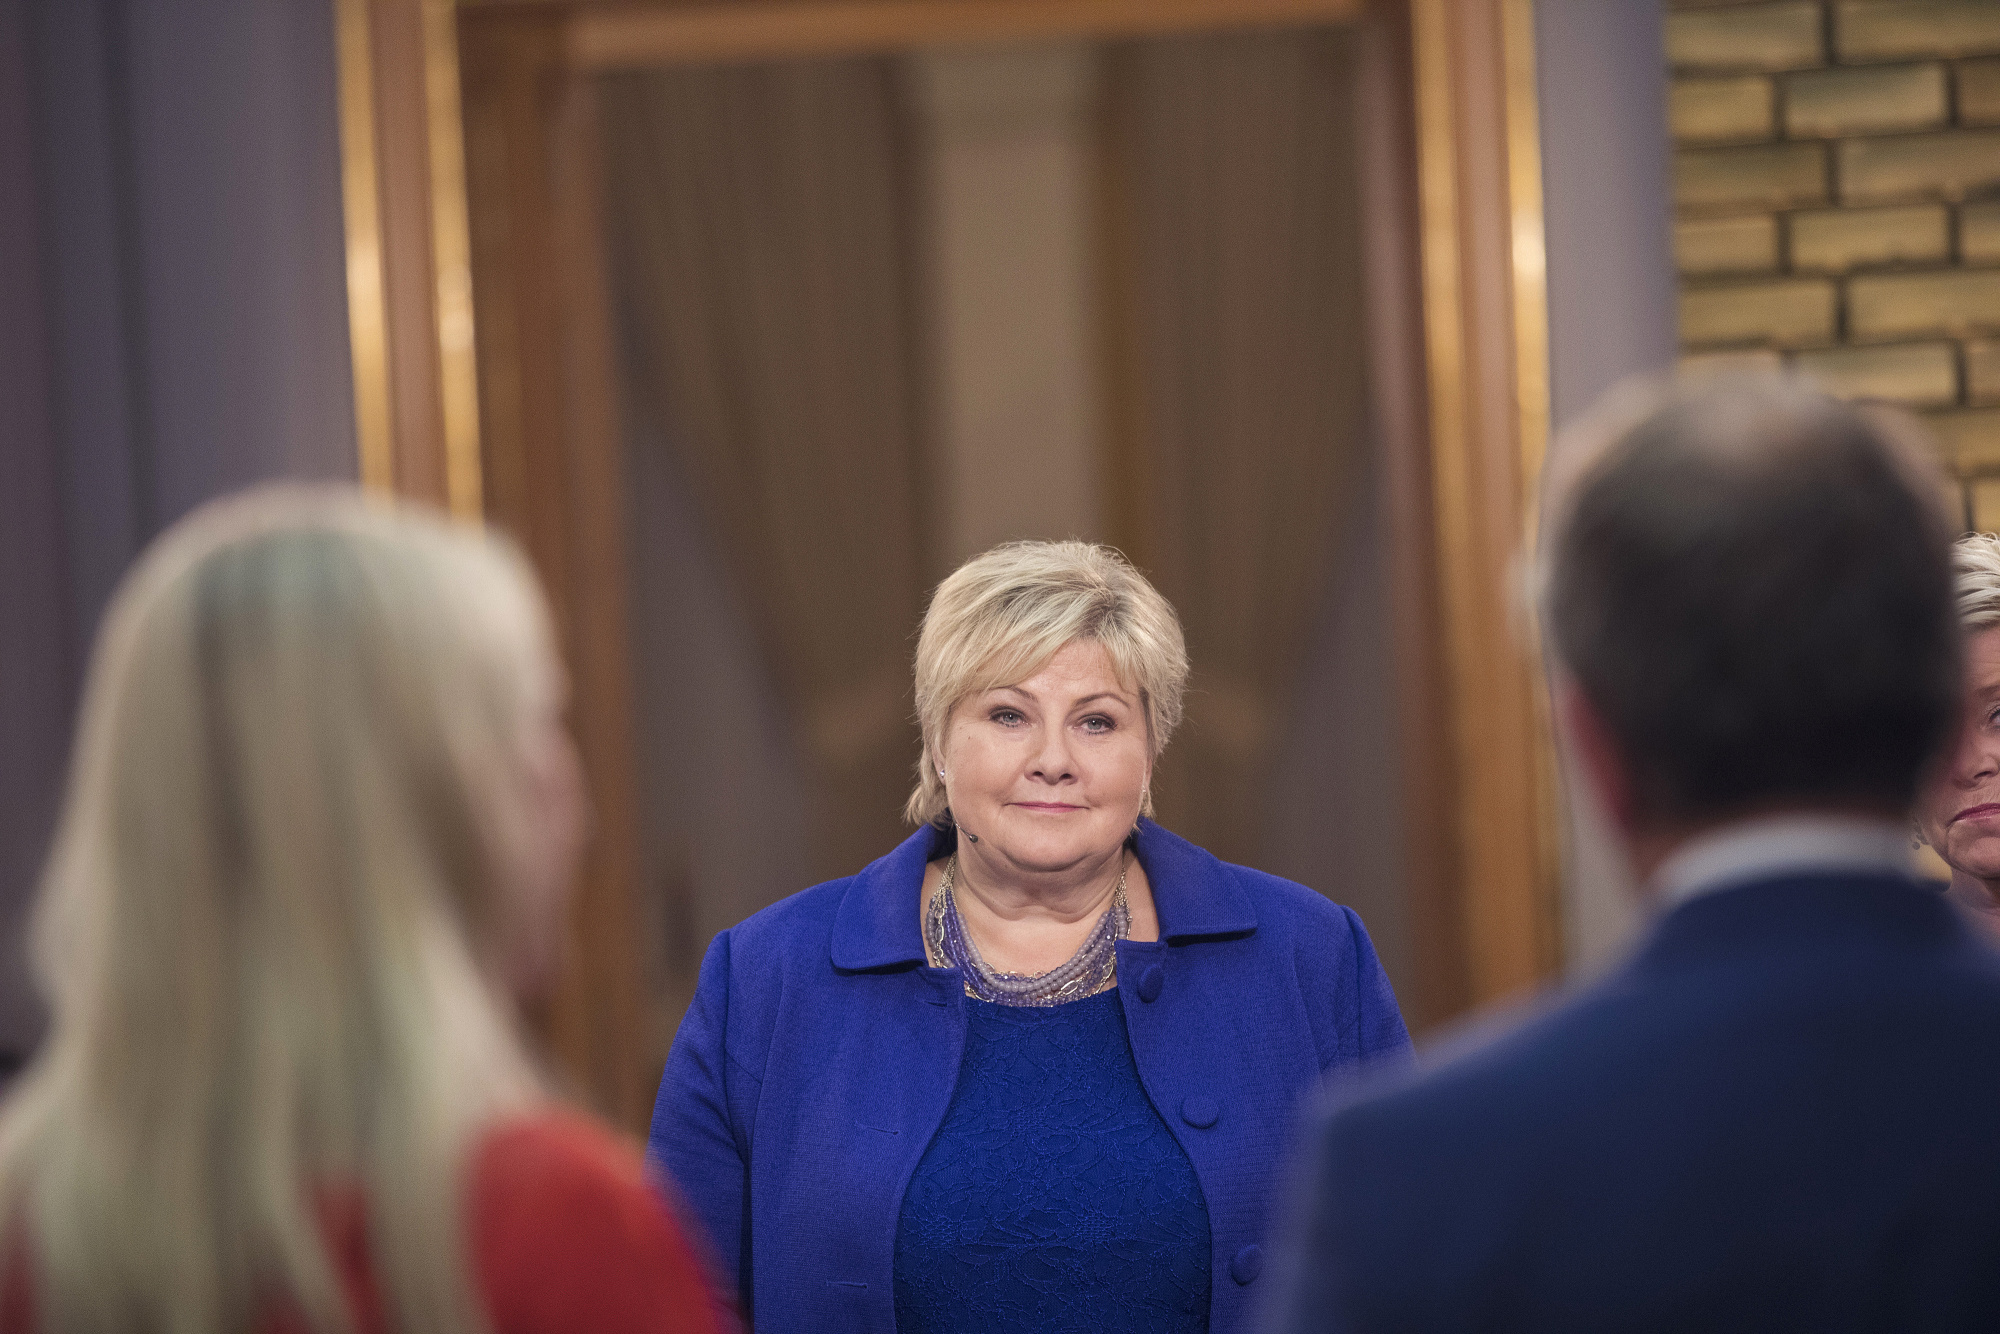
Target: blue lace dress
1054	1198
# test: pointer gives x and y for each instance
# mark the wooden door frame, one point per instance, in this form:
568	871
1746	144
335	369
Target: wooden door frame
1485	304
469	163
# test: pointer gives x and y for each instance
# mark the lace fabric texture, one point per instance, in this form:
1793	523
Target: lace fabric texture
1054	1198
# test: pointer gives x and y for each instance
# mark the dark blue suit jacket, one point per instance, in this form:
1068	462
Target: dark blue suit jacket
820	1053
1783	1114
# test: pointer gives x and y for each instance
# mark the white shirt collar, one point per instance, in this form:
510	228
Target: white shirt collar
1777	845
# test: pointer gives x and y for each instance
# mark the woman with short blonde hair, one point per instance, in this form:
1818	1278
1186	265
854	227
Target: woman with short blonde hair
1034	1069
1006	614
318	834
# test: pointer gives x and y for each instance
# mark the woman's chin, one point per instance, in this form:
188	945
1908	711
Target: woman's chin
1978	858
1050	850
1985	881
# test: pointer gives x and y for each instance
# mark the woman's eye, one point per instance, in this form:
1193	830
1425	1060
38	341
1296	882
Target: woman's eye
1006	717
1098	723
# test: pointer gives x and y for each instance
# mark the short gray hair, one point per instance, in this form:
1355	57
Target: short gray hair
1750	581
1002	615
1975	559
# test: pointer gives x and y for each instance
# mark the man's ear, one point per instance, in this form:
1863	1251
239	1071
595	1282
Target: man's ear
1597	751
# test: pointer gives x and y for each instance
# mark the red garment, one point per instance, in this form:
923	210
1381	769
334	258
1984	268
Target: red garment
567	1235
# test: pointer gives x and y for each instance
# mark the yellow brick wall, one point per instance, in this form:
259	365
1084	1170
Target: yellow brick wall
1837	183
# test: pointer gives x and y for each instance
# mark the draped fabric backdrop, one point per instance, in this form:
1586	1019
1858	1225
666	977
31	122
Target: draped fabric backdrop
759	223
765	236
1233	254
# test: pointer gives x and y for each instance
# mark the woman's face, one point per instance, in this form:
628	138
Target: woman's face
1049	772
554	811
1959	809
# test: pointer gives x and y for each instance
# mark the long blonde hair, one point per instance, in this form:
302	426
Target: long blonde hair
270	923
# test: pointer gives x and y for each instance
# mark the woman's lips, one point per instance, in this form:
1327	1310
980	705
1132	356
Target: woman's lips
1058	806
1979	812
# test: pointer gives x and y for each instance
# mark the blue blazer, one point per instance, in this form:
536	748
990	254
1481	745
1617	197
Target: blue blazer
1782	1114
819	1056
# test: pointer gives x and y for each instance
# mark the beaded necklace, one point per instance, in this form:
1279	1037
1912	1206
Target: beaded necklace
1090	970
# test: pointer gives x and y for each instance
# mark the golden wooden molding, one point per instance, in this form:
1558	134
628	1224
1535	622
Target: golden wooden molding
409	286
638	36
1534	405
362	214
1530	249
1485	332
452	246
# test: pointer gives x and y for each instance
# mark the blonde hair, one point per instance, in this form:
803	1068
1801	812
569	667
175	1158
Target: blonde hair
1975	560
271	922
1002	615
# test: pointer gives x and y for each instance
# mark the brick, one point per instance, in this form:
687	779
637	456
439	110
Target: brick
1694	365
1890	29
1711	109
1979	232
1918	374
1979	92
1983	506
1785	36
1763	176
1726	245
1900	305
1952	165
1969	442
1866	98
1787	312
1838	239
1982	371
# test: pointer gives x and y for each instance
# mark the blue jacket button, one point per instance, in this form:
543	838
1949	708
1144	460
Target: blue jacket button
1150	983
1247	1264
1200	1112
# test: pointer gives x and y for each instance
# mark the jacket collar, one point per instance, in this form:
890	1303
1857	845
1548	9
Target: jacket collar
1805	911
1782	846
1196	896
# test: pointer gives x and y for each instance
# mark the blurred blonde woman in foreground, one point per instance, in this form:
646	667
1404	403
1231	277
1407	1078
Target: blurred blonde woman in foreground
318	834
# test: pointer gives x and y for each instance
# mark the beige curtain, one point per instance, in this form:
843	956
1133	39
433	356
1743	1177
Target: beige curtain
758	221
1233	256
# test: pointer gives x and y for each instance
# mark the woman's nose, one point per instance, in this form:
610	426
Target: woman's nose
1978	758
1052	758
